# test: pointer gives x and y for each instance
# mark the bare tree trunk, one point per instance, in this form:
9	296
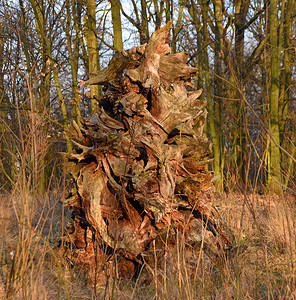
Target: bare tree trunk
92	46
116	21
139	168
2	109
42	105
286	87
144	32
74	60
217	121
274	177
239	131
177	28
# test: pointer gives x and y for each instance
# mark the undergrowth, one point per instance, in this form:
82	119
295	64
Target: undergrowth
33	267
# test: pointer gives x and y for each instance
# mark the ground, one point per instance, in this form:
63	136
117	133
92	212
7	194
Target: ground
33	267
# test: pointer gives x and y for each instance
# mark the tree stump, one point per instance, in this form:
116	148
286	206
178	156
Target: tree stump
139	168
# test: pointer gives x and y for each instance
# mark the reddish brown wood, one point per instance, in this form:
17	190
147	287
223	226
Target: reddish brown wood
139	167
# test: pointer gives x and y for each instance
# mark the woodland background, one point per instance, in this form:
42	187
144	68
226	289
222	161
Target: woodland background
245	52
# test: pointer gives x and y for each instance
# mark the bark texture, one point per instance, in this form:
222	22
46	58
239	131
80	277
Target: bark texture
139	168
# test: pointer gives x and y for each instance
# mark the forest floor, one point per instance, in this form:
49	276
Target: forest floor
264	226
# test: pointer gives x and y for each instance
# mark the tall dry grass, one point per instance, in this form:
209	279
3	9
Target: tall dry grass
32	219
33	268
30	266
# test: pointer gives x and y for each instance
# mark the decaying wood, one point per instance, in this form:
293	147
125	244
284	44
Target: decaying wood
139	167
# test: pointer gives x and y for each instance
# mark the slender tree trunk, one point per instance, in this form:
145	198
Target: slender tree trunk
168	10
24	35
1	66
74	57
218	104
274	178
158	13
38	8
92	45
176	29
42	105
201	45
286	85
77	7
238	73
144	34
116	21
2	110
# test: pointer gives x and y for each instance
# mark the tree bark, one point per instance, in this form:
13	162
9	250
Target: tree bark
239	128
92	46
216	120
274	178
286	87
74	59
41	103
116	21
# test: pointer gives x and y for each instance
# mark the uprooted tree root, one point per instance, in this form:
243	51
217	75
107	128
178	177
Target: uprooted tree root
139	168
